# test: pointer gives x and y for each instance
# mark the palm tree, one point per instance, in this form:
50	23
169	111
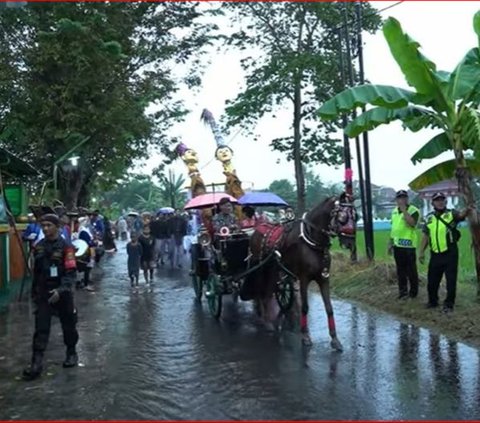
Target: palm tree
172	189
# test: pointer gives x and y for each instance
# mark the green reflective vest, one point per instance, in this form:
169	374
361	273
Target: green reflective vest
402	234
438	232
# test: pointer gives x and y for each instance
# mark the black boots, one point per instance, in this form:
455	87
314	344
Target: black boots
72	358
35	368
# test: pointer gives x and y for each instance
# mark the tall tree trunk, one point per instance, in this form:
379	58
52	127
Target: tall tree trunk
70	187
83	196
465	185
297	145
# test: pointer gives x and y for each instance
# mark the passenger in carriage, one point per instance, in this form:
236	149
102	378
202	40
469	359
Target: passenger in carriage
249	220
226	217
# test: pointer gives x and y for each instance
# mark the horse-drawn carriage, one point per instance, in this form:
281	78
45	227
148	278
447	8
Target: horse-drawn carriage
223	265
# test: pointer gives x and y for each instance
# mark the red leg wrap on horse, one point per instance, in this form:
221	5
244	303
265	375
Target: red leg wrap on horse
303	321
331	324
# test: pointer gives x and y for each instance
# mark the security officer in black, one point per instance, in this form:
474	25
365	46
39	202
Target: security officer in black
441	233
54	275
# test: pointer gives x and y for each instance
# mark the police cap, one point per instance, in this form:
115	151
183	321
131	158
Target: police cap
401	193
438	196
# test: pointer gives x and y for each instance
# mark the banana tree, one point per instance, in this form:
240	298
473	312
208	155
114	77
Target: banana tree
447	102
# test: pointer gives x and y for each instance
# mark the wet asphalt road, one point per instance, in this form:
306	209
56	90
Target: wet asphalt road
159	355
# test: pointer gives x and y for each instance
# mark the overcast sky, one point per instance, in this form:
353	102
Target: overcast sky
444	30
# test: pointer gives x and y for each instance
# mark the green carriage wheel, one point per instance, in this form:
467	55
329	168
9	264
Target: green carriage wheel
285	293
214	296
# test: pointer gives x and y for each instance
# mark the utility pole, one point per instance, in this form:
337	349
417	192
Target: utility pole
368	219
346	142
351	83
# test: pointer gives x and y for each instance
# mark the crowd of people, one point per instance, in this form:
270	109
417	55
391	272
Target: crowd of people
90	227
166	238
153	240
156	240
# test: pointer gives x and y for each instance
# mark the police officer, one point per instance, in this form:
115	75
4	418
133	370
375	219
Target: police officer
403	244
441	233
226	217
54	275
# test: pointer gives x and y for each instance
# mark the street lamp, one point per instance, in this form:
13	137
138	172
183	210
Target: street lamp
74	160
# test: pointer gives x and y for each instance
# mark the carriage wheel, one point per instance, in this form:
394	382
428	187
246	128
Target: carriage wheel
197	286
285	293
215	297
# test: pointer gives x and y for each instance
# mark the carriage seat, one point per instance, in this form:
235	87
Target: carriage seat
272	233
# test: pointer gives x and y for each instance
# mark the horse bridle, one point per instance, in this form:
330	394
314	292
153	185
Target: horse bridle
306	227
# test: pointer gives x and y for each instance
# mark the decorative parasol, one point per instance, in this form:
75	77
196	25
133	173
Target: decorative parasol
208	200
264	199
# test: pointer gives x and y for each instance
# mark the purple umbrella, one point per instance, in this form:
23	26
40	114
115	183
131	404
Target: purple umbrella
264	199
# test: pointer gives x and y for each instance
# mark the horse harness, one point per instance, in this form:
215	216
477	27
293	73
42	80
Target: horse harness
342	218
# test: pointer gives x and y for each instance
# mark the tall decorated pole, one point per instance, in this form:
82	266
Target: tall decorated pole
197	186
224	154
190	158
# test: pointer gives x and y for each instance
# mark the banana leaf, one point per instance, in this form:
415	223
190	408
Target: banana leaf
376	95
465	79
441	172
476	25
424	120
437	145
419	72
379	116
470	129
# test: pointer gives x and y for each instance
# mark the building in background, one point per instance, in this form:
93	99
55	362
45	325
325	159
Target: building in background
448	187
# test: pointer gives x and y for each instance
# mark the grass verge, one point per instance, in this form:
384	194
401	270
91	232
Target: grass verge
376	285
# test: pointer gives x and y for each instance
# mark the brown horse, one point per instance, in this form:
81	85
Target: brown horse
304	247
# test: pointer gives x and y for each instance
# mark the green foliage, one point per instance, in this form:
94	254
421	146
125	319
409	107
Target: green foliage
93	69
433	148
172	190
284	189
297	68
419	72
379	116
376	95
443	171
140	192
315	190
448	101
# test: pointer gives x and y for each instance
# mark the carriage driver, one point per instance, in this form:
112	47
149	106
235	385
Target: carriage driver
226	217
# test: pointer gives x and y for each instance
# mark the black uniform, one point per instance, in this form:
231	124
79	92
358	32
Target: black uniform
445	262
54	269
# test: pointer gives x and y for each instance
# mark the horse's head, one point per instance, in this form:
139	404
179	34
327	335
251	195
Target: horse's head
328	219
342	218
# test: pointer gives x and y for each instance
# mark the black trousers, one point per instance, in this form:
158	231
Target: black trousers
440	264
406	261
65	310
